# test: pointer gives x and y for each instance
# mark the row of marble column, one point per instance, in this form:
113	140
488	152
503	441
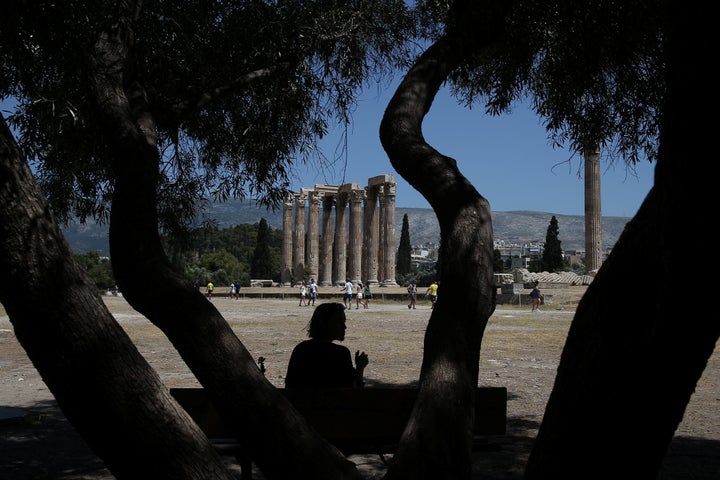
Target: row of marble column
332	251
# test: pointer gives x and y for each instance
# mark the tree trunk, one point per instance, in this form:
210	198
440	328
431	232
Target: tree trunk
635	352
102	384
437	442
275	435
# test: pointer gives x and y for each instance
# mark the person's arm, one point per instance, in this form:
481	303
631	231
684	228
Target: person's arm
361	361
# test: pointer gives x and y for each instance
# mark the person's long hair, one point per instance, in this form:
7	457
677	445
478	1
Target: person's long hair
319	325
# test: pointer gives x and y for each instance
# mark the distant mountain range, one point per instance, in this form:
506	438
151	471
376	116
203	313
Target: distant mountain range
516	226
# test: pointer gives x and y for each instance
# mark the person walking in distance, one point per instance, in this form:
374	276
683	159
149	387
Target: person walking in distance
303	295
347	290
320	363
432	291
313	291
359	296
536	296
367	295
209	289
412	292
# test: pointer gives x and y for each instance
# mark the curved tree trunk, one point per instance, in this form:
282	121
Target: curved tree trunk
635	351
101	382
276	436
438	439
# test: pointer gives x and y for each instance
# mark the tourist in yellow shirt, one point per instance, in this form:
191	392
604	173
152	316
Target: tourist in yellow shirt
432	291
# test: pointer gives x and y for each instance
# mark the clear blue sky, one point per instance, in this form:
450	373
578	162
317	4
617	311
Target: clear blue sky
508	159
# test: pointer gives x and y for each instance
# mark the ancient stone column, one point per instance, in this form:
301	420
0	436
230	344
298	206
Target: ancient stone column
370	235
313	235
593	210
355	239
381	234
299	239
326	262
287	242
340	245
389	239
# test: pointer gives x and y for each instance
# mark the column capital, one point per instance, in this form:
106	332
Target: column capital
381	179
302	195
315	196
357	196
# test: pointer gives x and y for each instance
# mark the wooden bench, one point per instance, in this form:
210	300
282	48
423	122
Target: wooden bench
356	421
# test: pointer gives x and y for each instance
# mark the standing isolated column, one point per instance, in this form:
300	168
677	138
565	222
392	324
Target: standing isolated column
326	262
593	211
340	245
287	241
299	238
313	239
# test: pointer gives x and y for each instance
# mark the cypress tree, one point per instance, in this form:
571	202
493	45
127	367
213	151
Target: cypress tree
552	259
498	264
404	261
261	266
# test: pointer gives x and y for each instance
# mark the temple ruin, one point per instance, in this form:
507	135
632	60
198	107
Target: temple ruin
354	239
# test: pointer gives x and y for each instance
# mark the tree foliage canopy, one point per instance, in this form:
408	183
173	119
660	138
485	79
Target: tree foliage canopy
237	107
240	92
593	74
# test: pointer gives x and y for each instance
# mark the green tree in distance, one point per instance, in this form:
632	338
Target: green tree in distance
240	241
498	264
99	269
552	258
223	267
404	259
262	266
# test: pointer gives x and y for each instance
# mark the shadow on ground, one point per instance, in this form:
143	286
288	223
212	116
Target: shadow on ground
44	445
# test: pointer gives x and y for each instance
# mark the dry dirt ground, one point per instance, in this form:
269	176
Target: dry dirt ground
520	351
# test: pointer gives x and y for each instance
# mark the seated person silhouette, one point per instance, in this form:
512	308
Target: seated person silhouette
320	363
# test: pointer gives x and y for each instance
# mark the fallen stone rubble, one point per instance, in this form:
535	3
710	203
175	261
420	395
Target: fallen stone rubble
523	275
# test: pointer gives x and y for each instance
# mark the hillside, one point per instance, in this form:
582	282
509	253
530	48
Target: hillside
517	226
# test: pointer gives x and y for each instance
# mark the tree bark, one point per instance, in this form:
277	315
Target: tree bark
101	382
635	352
277	438
437	442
